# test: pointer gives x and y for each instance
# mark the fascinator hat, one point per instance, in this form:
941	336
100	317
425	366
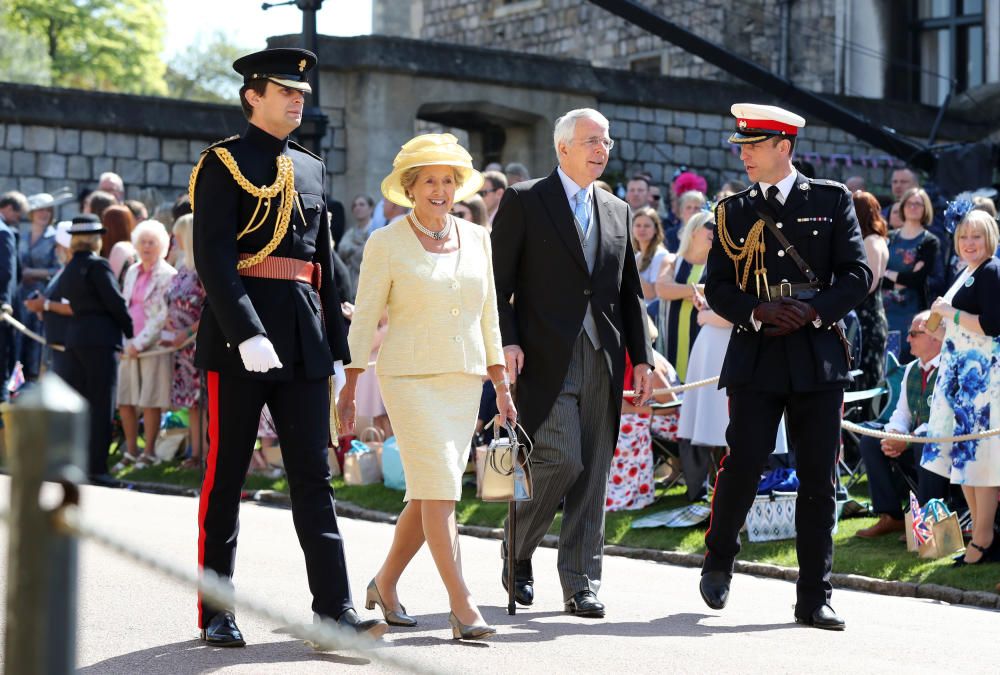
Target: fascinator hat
432	150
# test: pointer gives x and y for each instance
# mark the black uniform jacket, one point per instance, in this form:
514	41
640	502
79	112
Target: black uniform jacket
305	325
538	259
818	219
100	315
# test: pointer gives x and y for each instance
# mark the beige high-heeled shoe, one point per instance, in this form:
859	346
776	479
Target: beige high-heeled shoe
460	631
392	617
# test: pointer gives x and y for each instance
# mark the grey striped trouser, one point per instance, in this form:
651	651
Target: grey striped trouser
570	464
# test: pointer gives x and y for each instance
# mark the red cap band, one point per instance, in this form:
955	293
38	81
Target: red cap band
746	125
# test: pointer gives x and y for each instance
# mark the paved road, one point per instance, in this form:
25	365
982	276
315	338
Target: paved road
132	621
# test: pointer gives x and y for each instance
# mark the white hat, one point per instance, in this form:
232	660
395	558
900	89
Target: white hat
756	122
63	236
43	200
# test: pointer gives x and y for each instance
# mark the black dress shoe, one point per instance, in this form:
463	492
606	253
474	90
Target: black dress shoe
524	589
222	631
714	587
586	604
822	617
374	628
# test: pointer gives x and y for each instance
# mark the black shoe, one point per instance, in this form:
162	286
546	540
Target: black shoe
374	628
222	631
714	587
524	589
822	617
585	604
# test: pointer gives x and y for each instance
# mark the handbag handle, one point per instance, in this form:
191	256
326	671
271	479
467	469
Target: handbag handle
372	434
511	432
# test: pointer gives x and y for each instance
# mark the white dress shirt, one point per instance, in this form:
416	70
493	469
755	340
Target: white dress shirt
902	417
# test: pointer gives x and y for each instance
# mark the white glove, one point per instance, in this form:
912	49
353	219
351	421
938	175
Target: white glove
258	354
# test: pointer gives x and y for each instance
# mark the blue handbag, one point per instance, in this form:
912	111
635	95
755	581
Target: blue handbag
392	465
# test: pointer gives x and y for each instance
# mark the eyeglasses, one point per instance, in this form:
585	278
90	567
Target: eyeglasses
594	141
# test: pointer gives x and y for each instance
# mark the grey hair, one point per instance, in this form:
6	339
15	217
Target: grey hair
155	228
566	125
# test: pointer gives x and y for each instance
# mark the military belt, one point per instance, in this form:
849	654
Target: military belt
286	269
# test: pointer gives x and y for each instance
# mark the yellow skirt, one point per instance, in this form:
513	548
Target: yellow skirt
433	417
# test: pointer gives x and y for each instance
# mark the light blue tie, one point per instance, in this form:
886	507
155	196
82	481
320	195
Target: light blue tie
581	213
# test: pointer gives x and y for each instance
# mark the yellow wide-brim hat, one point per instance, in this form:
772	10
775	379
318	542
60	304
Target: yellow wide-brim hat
432	150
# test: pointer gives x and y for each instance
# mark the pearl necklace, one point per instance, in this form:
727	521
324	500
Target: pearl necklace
436	236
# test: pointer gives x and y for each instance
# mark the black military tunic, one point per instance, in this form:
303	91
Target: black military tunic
802	374
306	327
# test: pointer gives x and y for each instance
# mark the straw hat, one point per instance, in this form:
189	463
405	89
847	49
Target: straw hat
432	150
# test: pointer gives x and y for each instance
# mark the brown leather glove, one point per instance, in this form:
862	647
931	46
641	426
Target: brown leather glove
807	311
781	318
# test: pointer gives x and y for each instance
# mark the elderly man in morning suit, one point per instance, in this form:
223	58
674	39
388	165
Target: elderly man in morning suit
570	306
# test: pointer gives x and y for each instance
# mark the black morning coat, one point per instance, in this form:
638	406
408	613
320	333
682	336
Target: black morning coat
307	340
538	259
818	218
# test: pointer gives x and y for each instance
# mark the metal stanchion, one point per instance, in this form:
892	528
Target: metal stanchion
46	433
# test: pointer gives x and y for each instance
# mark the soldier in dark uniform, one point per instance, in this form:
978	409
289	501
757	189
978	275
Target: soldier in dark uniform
787	353
270	332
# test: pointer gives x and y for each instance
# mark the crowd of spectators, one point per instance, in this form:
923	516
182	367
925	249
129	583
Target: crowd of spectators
913	242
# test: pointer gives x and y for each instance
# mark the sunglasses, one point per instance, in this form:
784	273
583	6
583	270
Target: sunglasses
915	333
655	198
483	193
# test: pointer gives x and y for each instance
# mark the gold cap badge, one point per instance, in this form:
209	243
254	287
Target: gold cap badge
302	65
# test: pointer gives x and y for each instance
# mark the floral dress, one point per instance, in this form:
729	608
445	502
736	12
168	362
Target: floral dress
185	298
966	397
630	484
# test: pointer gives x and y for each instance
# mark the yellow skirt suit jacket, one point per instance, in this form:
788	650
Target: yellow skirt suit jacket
443	334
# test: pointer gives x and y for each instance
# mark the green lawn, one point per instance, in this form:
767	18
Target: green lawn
884	558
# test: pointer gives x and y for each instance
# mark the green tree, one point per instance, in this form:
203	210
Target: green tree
108	45
204	71
23	58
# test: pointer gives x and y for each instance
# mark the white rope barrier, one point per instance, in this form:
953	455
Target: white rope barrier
676	389
6	316
876	433
9	318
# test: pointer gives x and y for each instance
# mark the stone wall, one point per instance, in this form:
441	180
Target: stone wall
658	141
578	29
63	138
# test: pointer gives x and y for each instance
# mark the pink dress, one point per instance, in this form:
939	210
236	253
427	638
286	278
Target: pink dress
185	298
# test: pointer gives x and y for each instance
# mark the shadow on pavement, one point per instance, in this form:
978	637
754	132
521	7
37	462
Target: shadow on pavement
676	625
194	656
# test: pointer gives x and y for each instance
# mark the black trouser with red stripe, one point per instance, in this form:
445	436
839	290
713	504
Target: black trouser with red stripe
812	420
300	409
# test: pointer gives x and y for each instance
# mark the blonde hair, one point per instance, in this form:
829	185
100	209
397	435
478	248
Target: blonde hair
699	219
980	221
85	242
183	232
928	216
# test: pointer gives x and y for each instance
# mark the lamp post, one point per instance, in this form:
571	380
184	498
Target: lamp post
312	130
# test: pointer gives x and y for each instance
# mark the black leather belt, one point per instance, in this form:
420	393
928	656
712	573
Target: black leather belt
789	290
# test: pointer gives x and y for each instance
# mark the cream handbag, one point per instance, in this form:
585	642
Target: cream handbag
507	469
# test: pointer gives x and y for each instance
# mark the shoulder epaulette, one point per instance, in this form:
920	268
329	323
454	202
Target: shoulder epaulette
825	182
230	139
301	148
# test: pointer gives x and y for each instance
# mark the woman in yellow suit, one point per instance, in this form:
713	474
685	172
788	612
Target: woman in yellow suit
434	274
